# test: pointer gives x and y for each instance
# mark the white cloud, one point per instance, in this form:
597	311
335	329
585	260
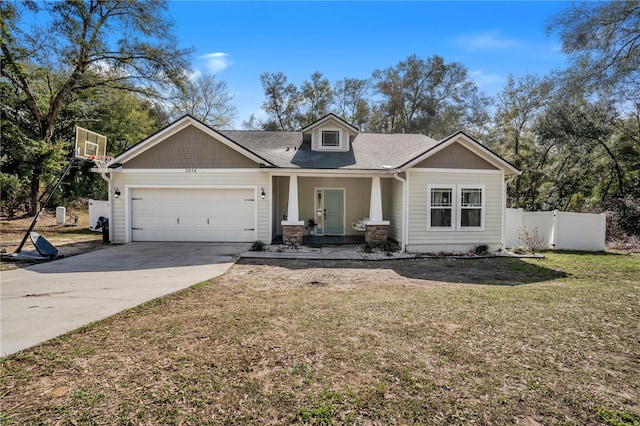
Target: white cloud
216	62
485	41
483	80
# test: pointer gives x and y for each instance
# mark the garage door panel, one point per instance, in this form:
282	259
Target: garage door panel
193	215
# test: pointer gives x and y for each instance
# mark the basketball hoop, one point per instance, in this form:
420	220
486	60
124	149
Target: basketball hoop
101	162
90	146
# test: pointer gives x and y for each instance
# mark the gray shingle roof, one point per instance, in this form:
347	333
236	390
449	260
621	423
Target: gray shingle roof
368	151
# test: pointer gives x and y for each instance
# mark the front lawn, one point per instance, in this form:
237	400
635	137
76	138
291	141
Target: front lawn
427	341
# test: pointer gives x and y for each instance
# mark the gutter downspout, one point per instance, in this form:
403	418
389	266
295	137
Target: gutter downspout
103	174
405	212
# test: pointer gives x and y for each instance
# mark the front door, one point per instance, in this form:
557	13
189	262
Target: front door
330	211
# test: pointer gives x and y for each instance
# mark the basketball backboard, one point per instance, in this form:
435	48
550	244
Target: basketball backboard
90	145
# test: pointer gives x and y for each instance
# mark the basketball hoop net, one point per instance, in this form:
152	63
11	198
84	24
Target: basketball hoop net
101	162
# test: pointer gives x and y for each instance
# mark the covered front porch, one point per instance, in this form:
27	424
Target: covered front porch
334	209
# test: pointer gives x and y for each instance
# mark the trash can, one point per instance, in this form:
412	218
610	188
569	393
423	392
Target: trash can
61	214
103	222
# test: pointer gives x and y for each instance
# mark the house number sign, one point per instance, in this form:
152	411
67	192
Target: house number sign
191	170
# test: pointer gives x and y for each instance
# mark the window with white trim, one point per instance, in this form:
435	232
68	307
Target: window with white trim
455	207
440	206
331	138
471	207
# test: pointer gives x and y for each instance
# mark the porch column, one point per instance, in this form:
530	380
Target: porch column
293	227
376	227
375	206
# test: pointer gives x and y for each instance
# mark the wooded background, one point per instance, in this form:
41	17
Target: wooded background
574	133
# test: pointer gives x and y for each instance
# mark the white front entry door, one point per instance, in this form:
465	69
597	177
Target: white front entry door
330	211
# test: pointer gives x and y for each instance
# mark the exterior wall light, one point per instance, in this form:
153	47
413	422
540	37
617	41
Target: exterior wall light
116	193
262	194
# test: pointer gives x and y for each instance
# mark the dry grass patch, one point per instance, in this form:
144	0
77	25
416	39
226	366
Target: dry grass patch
366	343
68	239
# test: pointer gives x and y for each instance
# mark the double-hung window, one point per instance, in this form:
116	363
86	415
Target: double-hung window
471	207
455	207
440	206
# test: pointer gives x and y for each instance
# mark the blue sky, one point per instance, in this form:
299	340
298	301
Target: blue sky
241	40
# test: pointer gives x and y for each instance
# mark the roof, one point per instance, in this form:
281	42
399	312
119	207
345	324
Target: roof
368	151
329	117
292	150
471	144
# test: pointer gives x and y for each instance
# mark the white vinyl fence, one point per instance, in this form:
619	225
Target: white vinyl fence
97	208
560	230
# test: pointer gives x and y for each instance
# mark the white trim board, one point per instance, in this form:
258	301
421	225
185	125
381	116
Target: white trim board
465	171
194	170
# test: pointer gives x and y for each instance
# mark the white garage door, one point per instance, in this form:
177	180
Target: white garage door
205	215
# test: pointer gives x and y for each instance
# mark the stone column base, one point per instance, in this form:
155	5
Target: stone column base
375	234
292	234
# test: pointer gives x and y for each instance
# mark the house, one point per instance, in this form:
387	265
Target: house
189	182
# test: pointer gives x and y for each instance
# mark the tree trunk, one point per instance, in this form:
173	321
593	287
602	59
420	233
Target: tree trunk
34	197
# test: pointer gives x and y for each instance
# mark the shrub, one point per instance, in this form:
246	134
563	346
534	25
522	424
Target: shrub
481	250
389	246
518	250
623	217
531	240
14	195
257	245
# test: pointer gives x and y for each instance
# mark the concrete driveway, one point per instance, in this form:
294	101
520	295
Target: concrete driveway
44	301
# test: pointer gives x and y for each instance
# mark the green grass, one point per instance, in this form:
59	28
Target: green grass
507	341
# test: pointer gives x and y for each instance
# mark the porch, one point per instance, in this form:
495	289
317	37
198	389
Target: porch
335	209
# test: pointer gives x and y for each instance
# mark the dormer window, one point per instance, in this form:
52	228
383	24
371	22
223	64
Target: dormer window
330	138
329	134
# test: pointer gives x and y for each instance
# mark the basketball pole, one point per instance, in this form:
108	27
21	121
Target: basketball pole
64	174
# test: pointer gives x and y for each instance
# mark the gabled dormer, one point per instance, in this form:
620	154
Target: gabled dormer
330	134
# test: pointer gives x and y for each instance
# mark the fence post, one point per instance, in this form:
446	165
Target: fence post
554	230
603	230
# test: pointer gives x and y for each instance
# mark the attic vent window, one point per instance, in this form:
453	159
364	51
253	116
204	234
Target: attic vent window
330	138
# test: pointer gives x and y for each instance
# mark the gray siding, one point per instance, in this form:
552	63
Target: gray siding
190	148
392	207
423	240
455	156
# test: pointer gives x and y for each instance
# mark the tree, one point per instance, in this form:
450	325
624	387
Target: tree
424	96
126	118
315	97
603	43
351	100
207	99
583	133
76	47
518	109
281	104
